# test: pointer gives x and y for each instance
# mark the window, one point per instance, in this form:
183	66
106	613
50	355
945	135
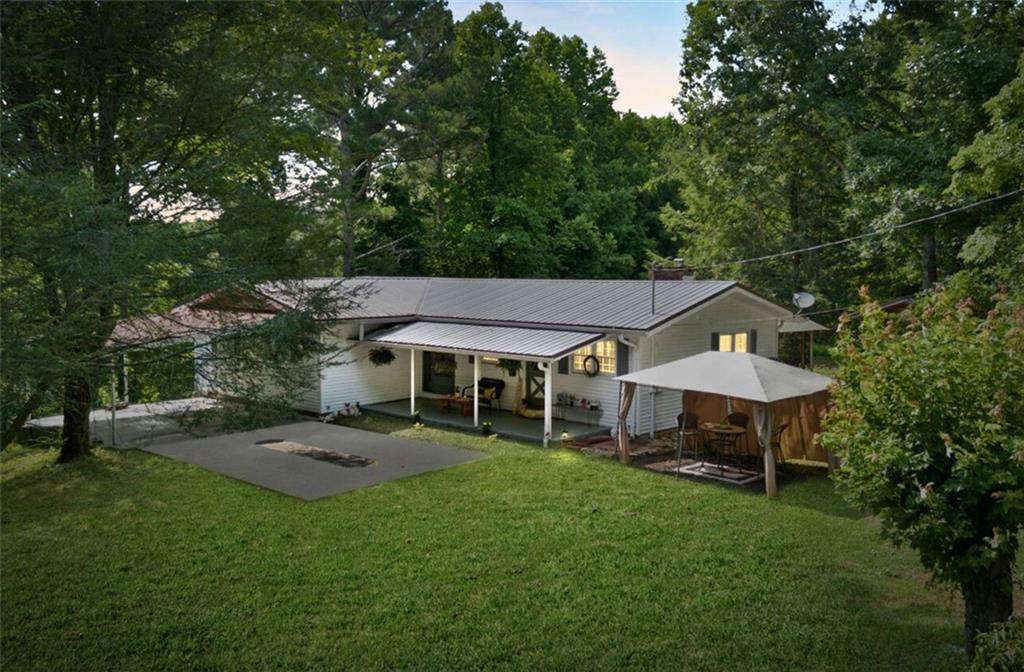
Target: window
737	342
605	353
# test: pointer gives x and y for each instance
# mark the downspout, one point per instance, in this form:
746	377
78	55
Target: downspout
653	391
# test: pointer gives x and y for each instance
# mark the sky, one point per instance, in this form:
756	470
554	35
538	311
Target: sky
642	40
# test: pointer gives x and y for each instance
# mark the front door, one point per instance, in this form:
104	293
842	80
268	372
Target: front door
438	372
534	386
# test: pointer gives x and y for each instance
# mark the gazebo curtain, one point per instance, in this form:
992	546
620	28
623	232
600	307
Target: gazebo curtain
802	414
626	394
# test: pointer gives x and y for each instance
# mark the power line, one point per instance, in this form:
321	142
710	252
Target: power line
851	239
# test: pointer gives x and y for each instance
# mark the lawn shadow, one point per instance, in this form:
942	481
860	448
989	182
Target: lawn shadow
809	487
906	621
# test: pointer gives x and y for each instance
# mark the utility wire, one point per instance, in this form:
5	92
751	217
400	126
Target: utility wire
851	239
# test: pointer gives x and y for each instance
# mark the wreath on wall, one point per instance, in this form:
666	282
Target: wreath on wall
591	366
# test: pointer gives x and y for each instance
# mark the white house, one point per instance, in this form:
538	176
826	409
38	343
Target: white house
571	336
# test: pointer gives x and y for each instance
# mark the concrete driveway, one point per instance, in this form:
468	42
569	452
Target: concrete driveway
289	468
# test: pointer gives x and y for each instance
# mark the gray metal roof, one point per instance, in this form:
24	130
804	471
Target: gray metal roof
591	305
486	340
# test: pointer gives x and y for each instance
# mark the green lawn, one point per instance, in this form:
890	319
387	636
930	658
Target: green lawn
532	559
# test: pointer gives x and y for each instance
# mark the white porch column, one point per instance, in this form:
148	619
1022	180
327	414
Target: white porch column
412	381
476	390
548	392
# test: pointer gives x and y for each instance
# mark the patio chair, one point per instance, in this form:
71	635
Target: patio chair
490	390
776	442
689	432
740	420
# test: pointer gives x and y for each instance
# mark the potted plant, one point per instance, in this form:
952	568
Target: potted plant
381	356
485	427
510	366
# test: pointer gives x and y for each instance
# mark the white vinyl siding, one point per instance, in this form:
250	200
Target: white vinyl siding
691	335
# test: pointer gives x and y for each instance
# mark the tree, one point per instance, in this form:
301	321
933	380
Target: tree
928	420
365	72
991	165
925	70
761	161
142	165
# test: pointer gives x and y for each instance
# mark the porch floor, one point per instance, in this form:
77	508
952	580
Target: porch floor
504	423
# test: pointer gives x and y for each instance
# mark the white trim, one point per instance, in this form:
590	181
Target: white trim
476	390
412	381
549	389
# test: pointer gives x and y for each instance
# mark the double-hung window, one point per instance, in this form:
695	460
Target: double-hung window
605	353
735	342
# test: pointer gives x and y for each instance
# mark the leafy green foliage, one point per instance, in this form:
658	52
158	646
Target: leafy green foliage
1001	649
927	419
799	128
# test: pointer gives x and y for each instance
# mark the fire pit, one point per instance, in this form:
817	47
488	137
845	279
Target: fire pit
304	450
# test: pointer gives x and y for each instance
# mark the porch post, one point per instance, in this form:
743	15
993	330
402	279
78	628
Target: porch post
548	391
476	390
412	381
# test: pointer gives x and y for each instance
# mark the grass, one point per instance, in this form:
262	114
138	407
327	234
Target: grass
532	559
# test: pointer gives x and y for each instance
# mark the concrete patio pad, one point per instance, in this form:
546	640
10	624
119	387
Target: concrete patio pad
239	456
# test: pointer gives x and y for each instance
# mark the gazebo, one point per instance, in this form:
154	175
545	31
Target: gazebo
717	383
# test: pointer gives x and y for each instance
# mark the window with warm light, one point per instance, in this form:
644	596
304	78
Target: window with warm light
737	342
604	351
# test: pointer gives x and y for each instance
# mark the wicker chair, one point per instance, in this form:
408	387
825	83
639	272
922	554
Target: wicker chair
689	432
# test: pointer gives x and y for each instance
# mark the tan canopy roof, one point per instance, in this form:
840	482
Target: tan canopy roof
732	374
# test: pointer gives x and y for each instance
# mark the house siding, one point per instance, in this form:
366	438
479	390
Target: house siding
691	336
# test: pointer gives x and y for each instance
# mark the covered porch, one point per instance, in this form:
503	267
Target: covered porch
503	422
528	407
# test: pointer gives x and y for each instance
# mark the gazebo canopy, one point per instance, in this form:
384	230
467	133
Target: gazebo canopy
732	374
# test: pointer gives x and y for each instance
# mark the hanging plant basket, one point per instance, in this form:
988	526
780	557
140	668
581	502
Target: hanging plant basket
443	364
510	366
381	356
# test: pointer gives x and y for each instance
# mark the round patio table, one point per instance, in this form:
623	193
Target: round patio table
722	438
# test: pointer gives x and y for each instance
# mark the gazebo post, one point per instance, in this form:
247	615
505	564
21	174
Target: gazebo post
769	471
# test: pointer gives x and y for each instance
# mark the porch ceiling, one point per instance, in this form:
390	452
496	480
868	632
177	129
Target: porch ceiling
474	339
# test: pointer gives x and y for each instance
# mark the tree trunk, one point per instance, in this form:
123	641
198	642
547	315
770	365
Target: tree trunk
795	227
77	405
928	272
988	599
12	426
439	204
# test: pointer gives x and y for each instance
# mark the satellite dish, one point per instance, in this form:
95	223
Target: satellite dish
803	300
